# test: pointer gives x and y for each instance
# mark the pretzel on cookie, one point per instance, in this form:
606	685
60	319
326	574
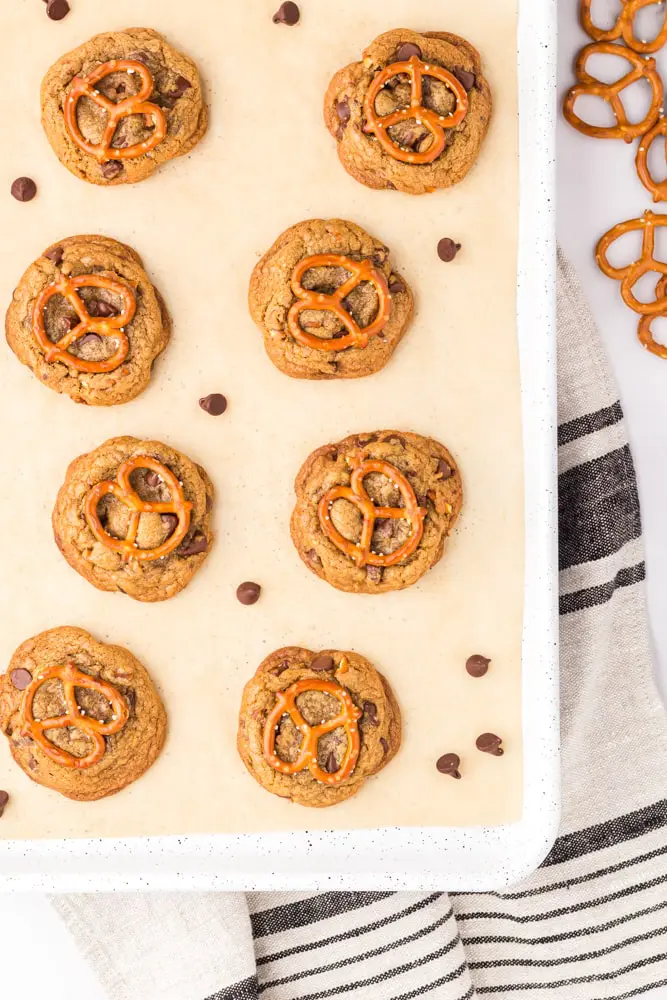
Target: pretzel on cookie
434	123
356	336
122	489
646	263
137	104
624	26
113	326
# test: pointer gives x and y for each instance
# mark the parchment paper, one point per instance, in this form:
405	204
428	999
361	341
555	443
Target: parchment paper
200	224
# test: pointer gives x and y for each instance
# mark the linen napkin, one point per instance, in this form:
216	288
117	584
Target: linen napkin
591	923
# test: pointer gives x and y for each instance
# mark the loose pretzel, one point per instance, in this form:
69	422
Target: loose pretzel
71	678
644	329
107	327
631	273
657	188
436	124
348	718
123	491
356	336
360	552
611	92
624	26
137	104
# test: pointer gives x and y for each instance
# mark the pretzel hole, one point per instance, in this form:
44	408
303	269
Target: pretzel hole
649	22
605	13
644	290
410	135
608	68
347	519
70	739
594	111
389	534
657	159
132	130
659	329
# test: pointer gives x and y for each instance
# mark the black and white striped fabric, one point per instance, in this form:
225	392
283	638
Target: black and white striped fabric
591	924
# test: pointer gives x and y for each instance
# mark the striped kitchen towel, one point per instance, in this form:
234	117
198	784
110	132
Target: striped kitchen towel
591	923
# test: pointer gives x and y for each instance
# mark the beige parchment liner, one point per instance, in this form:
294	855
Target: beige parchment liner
201	224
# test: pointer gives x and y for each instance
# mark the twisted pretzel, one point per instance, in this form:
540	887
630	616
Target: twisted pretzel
360	552
644	329
108	327
123	491
286	705
434	123
611	92
71	678
657	188
137	104
631	273
624	26
359	271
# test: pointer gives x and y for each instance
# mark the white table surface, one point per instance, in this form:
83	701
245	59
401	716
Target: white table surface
597	188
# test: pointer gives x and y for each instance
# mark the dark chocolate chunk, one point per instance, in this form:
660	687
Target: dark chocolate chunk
287	13
448	249
374	574
170	521
396	286
111	169
24	189
55	254
179	88
331	765
20	678
464	77
89	339
312	557
477	665
152	479
371	713
57	9
280	668
163	101
449	764
322	663
4	799
444	469
407	50
193	546
100	309
490	743
343	111
384	744
141	56
215	404
248	593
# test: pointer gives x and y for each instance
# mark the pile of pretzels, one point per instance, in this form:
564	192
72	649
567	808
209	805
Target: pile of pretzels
620	40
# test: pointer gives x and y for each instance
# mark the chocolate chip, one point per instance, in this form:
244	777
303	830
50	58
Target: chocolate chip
374	574
57	9
32	763
407	50
170	521
384	744
215	404
449	764
179	88
396	439
20	678
152	479
322	663
55	254
248	593
89	340
343	111
141	56
331	764
131	699
396	286
363	439
312	557
464	77
100	308
448	249
193	546
371	712
490	743
287	13
24	189
477	665
444	469
111	169
280	668
4	799
164	102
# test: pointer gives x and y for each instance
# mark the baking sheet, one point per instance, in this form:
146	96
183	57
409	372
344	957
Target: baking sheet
200	225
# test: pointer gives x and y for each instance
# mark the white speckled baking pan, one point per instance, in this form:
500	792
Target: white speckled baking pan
455	858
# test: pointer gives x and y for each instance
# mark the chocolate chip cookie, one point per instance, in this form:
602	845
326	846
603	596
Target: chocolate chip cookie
87	321
373	511
412	114
314	726
135	516
117	107
81	717
328	301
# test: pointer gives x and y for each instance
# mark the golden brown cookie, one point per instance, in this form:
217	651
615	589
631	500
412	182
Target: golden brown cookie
314	726
412	114
81	717
87	321
135	516
373	511
121	104
328	301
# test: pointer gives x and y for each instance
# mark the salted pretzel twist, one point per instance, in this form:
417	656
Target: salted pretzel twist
360	552
436	124
611	92
644	332
356	336
624	26
347	719
646	263
122	490
71	678
137	104
657	188
113	326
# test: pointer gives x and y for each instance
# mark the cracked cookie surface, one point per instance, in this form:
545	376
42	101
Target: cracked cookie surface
128	753
359	150
378	723
272	299
144	580
177	92
432	483
147	333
